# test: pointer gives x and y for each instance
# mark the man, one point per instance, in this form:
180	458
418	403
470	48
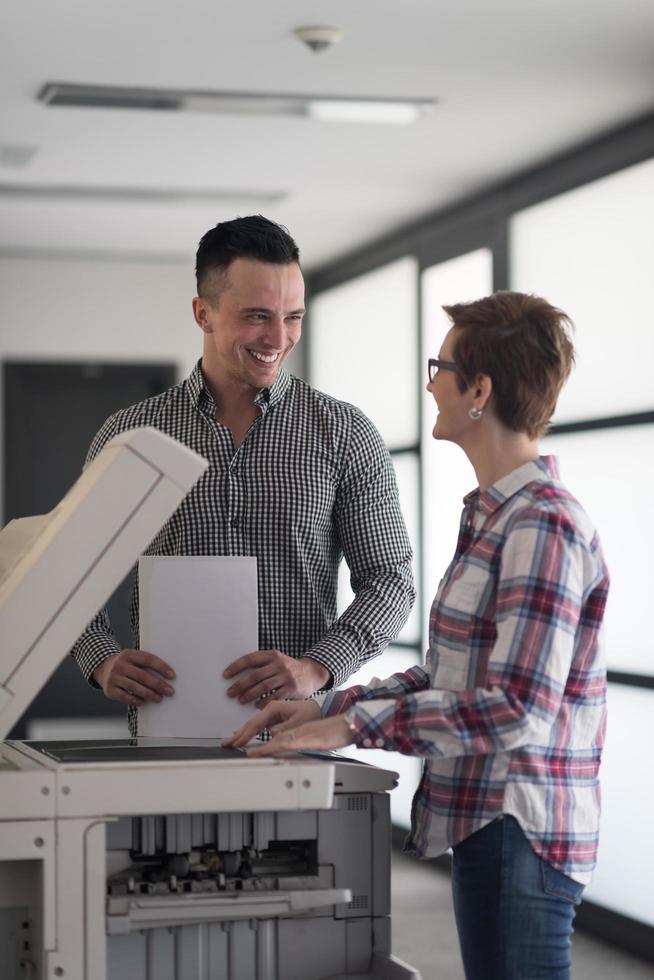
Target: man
295	478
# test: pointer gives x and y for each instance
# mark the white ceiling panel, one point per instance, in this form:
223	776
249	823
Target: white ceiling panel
516	82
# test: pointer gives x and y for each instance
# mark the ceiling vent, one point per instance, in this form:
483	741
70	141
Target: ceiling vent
324	107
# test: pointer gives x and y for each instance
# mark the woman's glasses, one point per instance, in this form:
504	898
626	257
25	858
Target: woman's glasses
434	365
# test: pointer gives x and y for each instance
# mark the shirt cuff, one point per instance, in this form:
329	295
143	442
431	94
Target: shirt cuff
90	657
372	724
329	653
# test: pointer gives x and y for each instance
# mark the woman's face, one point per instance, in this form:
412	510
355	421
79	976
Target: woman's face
452	421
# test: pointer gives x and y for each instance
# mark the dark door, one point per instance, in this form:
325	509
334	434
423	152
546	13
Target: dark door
51	413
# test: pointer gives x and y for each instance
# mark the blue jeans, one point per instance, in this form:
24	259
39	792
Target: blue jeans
513	910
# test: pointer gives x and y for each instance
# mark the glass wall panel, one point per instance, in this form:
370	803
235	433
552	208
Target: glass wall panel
625	867
446	473
407	470
408	768
611	472
590	252
363	347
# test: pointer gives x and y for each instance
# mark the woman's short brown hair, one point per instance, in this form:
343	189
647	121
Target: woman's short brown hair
524	345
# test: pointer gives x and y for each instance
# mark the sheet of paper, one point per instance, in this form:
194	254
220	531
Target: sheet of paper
199	614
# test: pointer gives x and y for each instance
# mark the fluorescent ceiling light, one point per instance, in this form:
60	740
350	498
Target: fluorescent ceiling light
321	107
139	195
330	110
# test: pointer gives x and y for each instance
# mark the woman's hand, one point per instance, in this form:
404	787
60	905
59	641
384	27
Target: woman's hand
328	733
276	716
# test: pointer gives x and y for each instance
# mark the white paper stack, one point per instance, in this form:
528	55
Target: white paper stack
198	614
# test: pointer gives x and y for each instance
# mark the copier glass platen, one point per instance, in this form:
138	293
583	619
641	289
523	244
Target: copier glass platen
166	859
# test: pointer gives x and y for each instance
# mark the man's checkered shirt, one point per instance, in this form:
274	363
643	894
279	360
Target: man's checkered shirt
312	481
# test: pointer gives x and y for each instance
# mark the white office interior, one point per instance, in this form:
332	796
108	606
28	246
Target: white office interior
532	170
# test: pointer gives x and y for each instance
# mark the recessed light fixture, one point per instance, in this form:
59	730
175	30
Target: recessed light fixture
332	108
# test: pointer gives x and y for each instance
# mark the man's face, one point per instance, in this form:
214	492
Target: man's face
252	320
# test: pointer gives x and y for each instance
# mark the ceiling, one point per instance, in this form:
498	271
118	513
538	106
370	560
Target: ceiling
517	82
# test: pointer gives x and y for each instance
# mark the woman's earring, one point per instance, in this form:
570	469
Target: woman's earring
475	413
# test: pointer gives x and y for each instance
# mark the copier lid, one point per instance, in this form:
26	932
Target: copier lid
57	570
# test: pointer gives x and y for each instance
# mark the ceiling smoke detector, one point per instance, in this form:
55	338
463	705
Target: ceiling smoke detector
318	38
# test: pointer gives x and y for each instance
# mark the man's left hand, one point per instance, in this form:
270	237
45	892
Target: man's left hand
272	673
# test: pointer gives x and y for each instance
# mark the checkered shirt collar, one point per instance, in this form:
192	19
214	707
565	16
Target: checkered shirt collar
265	398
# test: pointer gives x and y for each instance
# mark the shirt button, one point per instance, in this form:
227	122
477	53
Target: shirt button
379	742
234	522
367	743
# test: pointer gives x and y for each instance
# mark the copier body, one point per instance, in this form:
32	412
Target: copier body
189	868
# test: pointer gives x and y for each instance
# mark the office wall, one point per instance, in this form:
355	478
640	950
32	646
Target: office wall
118	310
67	309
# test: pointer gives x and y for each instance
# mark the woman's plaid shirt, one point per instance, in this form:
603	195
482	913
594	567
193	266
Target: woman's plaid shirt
509	709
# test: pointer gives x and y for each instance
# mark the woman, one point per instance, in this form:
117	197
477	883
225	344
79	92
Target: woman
508	711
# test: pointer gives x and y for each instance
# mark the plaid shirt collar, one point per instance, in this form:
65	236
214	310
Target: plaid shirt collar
490	500
264	399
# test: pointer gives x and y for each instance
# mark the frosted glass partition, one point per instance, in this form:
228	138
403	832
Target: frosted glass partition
611	472
446	473
448	478
408	768
589	251
362	347
407	471
625	867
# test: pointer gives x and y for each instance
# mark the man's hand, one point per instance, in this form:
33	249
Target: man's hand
127	676
328	733
276	716
274	674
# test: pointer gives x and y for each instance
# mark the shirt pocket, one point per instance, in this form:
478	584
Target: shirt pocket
465	590
456	619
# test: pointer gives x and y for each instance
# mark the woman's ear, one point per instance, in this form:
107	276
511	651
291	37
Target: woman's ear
483	389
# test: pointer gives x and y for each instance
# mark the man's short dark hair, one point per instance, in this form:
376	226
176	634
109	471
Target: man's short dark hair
252	237
524	345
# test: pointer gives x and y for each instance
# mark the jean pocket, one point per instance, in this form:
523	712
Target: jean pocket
559	885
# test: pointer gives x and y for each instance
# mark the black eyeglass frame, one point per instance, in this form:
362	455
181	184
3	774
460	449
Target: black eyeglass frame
434	364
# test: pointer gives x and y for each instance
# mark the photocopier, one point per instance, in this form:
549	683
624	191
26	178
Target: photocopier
166	859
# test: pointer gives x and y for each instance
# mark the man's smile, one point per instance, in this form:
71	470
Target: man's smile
265	358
